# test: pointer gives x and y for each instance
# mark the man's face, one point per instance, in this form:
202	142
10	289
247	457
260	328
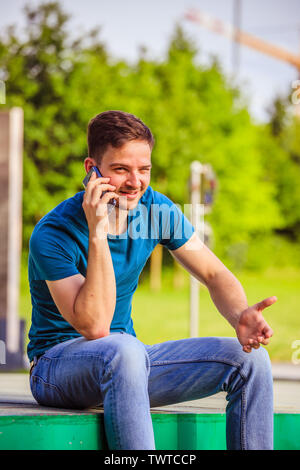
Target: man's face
129	169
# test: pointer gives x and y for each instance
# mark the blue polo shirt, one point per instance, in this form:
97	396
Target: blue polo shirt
58	248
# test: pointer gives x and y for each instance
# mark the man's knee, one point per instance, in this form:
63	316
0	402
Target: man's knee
257	361
128	355
256	364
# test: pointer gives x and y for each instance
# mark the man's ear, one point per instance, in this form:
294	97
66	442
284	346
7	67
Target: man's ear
88	163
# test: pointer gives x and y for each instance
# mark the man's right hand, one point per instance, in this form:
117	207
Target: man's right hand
95	205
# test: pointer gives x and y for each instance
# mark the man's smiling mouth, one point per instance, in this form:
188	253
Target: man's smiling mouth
129	194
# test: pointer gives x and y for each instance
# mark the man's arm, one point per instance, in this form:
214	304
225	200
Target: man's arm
88	303
226	292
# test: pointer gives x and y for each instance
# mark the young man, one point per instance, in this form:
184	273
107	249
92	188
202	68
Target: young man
84	263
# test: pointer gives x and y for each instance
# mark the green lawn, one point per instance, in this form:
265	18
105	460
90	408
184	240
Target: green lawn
164	315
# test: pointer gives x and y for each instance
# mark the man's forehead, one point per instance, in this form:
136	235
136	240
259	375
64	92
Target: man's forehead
130	154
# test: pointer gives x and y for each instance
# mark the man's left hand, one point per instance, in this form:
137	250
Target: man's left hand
252	329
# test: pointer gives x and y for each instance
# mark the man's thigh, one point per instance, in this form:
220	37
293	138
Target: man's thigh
191	368
70	373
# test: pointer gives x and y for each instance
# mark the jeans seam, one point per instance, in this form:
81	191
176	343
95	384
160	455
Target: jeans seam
36	378
114	420
72	356
210	359
243	419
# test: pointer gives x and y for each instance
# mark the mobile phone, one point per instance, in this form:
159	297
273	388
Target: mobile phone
87	179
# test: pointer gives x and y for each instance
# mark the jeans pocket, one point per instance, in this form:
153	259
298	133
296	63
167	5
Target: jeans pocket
46	394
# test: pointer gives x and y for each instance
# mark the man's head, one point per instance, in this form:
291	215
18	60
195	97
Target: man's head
115	128
120	145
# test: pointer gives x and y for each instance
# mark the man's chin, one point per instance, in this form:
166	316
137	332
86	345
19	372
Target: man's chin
125	204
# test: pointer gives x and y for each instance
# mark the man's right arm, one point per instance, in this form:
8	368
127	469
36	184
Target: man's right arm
88	303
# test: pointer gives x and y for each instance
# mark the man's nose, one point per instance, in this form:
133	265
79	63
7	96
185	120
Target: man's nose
133	180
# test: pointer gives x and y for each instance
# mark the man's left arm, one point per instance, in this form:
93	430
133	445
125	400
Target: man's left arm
227	293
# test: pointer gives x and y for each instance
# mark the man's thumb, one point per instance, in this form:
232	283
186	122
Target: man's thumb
266	302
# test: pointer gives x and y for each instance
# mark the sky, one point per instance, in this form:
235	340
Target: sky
125	25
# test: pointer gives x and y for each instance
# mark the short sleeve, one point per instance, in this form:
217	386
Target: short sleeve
52	253
174	227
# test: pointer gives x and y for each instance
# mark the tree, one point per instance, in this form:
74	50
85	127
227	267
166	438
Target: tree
284	167
192	110
39	71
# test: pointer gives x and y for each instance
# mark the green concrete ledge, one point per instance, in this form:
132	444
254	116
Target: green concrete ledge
174	431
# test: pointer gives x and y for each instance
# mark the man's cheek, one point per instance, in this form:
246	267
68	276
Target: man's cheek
115	182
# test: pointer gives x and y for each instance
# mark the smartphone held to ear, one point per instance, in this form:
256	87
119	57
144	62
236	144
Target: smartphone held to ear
89	174
112	202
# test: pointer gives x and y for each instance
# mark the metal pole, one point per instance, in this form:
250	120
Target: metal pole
11	160
196	171
14	228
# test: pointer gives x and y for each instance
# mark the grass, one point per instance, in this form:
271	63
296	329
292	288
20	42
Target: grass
164	315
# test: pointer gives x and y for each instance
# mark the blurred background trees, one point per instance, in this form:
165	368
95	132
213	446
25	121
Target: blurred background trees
193	112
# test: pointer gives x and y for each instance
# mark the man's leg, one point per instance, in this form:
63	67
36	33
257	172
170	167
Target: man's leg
195	368
112	370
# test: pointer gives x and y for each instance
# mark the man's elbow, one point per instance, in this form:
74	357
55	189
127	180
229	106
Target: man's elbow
214	278
95	333
91	328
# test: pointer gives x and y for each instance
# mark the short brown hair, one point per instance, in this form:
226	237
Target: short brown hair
115	128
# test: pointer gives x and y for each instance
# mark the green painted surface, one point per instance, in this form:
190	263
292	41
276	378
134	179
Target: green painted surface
172	432
51	432
286	431
202	431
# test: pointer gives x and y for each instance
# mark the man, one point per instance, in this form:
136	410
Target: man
84	265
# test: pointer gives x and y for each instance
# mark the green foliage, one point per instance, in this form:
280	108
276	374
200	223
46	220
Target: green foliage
192	111
284	169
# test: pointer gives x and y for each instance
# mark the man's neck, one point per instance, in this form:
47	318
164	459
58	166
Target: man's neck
118	221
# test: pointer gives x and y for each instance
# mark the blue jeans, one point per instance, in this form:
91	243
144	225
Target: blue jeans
128	377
